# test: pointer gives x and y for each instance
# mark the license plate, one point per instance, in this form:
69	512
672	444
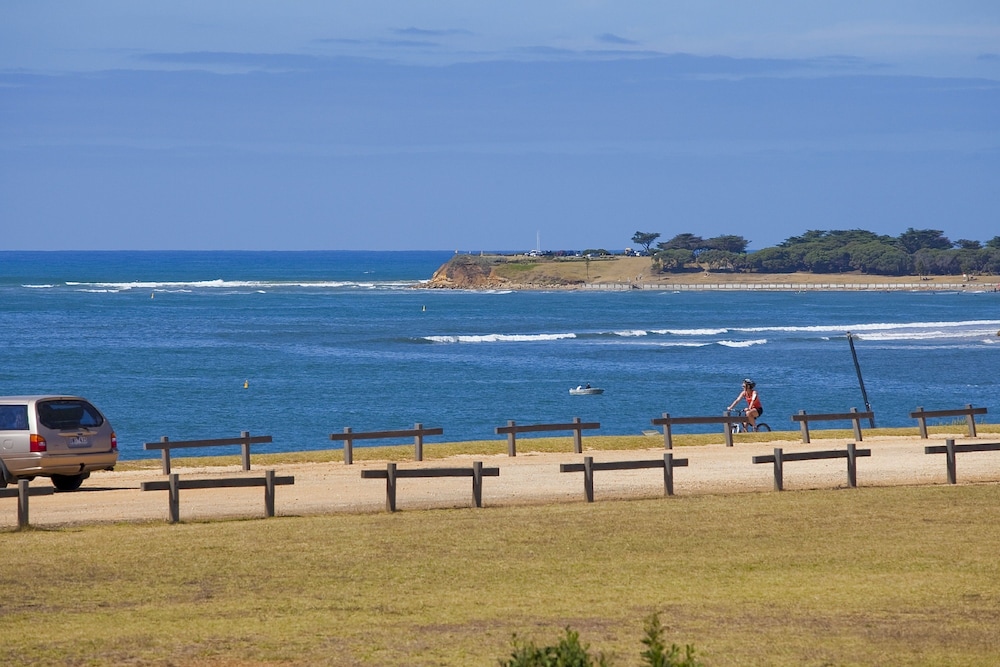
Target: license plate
79	441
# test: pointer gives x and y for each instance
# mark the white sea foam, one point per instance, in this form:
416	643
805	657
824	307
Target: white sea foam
931	334
742	343
682	344
690	332
875	326
634	333
220	284
499	338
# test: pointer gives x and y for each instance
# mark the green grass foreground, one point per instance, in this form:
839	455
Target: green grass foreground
887	576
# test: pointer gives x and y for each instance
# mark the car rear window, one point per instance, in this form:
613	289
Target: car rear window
13	417
68	414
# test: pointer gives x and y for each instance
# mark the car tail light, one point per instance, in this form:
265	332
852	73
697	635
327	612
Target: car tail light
38	443
114	442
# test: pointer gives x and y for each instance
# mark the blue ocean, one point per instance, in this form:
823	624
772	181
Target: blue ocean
298	345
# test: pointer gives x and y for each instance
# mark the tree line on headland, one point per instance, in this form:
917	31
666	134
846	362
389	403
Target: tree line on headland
914	252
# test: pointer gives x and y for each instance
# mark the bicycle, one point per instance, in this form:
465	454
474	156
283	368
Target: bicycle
744	426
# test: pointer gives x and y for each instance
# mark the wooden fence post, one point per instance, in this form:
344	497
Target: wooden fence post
729	430
477	483
952	467
269	493
668	473
971	421
245	447
577	437
511	440
779	470
348	448
668	439
922	423
22	503
418	442
390	487
852	465
175	501
856	420
588	478
165	456
804	427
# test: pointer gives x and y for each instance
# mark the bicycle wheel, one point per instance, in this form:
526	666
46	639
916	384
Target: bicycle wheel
762	427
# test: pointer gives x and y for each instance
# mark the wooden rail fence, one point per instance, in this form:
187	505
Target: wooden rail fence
951	449
667	422
418	432
244	441
779	458
174	484
803	418
588	467
577	427
391	474
968	412
22	492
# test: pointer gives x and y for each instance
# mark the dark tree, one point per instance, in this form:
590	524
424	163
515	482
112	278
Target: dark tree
913	240
683	242
645	239
728	243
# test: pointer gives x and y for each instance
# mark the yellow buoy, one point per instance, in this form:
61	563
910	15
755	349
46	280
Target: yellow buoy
246	384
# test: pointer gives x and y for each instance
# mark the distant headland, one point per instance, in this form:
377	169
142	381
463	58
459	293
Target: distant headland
628	272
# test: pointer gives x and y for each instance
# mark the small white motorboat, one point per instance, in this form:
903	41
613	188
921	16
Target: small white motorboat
581	390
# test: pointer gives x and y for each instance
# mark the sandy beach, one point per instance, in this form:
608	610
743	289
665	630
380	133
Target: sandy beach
529	478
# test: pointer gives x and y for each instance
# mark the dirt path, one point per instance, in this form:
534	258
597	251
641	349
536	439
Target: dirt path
528	478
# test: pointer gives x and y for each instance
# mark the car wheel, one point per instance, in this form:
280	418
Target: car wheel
68	482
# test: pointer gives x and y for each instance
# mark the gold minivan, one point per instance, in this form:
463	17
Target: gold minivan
64	438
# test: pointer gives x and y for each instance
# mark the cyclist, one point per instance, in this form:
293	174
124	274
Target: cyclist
754	407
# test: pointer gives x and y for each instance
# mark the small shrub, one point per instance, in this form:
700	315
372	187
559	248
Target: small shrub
567	653
656	653
570	653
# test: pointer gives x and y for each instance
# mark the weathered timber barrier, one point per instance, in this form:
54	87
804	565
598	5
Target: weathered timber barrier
577	427
968	412
418	432
667	422
175	484
668	463
779	458
951	449
22	492
803	418
391	474
244	441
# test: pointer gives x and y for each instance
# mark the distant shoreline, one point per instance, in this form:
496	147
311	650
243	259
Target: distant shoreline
521	272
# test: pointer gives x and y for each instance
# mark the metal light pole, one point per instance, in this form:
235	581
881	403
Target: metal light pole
861	383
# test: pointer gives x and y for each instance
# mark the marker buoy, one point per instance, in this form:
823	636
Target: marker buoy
246	384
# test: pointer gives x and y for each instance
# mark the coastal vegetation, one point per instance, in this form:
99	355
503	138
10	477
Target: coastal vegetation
922	252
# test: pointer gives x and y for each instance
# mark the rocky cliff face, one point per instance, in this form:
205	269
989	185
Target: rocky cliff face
467	272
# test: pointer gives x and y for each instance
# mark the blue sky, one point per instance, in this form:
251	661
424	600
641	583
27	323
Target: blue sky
489	125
